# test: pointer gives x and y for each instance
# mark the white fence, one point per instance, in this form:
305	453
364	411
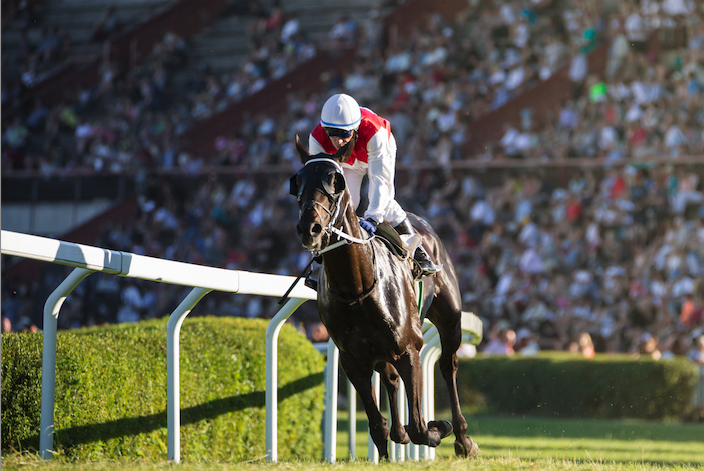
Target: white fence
88	260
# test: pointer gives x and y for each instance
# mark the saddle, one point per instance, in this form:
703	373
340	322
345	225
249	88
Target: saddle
392	239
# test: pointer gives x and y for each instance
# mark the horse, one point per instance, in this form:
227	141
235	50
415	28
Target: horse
366	301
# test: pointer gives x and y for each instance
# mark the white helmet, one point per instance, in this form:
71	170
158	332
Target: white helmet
341	112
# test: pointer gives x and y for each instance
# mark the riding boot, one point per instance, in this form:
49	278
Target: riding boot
424	266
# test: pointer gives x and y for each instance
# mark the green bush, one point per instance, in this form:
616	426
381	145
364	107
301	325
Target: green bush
555	384
111	391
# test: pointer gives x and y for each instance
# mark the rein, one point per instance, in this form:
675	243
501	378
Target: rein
347	239
334	214
344	238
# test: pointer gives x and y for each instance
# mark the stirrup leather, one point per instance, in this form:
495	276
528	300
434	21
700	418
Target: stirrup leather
422	265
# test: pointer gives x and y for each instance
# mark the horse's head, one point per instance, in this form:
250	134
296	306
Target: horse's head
320	189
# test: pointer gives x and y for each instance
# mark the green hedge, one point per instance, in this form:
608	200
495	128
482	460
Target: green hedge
111	391
558	384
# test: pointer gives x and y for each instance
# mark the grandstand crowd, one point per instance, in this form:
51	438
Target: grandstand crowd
608	258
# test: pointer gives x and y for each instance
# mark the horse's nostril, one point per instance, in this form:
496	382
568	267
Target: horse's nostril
316	229
299	231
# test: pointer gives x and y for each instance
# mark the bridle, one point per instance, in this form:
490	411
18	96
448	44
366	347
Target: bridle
335	196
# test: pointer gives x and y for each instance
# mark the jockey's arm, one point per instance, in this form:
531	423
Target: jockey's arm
381	152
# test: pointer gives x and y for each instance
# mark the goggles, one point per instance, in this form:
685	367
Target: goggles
341	133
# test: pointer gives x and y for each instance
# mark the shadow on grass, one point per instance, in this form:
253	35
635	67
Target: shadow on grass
83	434
616	429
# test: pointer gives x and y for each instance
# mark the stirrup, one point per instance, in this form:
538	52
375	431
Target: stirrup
422	266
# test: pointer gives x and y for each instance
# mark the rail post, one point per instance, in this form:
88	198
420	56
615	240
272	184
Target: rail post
272	334
51	318
330	419
173	392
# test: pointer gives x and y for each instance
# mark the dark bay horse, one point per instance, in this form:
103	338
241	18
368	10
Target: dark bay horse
367	303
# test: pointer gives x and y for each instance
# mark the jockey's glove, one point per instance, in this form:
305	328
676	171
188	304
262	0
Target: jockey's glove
368	225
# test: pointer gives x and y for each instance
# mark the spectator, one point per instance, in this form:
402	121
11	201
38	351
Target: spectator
501	343
649	346
317	332
132	309
107	26
525	343
583	346
343	32
696	353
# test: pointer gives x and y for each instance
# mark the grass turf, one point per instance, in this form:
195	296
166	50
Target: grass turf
618	441
506	443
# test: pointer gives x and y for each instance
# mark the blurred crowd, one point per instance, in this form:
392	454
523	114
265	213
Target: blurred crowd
41	50
617	257
604	260
132	120
38	49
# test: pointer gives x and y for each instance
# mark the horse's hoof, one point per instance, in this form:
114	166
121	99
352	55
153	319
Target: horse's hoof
466	448
444	427
437	430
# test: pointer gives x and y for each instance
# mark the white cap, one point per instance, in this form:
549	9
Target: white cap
341	112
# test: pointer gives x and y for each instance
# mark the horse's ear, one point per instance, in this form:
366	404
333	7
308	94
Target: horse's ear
302	151
345	151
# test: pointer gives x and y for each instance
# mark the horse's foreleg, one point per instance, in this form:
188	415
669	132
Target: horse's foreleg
361	378
420	432
391	380
465	447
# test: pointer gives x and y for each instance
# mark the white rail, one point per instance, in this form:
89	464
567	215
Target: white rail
88	260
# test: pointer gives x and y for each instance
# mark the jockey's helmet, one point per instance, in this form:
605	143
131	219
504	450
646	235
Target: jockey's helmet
341	112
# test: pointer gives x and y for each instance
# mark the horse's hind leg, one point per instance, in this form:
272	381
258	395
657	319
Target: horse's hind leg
361	378
391	380
450	340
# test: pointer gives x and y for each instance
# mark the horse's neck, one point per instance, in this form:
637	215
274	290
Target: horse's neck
349	269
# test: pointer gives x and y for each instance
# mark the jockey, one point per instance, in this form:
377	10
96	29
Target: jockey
374	154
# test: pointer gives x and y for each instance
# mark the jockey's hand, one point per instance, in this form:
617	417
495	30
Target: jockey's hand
368	225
